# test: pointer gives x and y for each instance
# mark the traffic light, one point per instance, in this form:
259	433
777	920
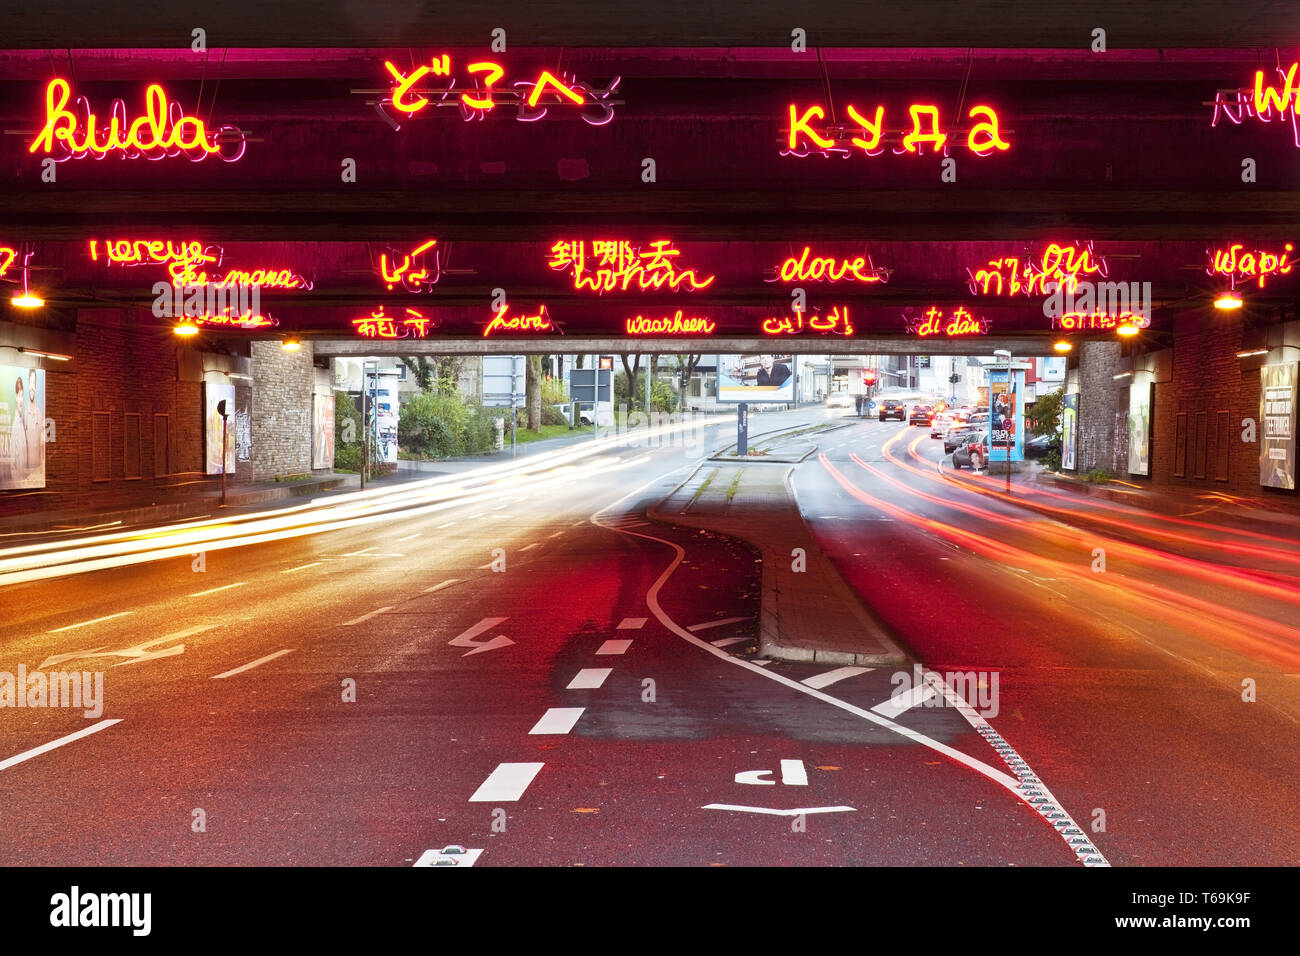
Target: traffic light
869	379
954	378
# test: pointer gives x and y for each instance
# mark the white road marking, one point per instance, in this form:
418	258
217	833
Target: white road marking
477	514
830	677
728	641
408	537
357	554
301	567
441	584
251	664
556	535
755	778
224	587
708	624
557	720
504	504
438	858
466	638
762	663
506	783
447	525
614	647
794	773
631	623
46	748
366	617
797	811
904	702
529	547
98	620
589	678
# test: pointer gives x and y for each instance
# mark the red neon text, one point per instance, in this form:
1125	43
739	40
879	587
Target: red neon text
1263	102
960	322
380	326
1087	321
411	272
247	320
827	269
1241	266
541	322
619	264
803	137
7	257
836	321
1011	275
671	325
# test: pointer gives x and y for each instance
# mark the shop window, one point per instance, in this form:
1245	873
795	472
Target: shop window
131	445
1180	445
101	447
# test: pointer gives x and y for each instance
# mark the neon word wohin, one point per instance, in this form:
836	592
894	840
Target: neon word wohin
1240	266
1013	275
501	322
410	272
531	98
163	131
803	138
380	326
829	269
671	325
959	323
1265	103
836	321
618	266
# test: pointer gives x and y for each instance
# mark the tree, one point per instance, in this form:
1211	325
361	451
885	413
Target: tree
1046	414
686	365
633	370
422	369
533	392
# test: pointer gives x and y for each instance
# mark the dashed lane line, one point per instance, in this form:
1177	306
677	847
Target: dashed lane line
301	567
631	623
589	678
224	587
557	720
366	617
529	547
506	783
53	744
818	681
440	585
614	647
98	620
251	664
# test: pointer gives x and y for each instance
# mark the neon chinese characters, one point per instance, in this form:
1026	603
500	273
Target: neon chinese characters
163	131
1240	266
619	266
828	269
676	324
803	138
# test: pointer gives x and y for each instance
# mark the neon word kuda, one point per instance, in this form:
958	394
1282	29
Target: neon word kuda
828	269
1264	103
836	321
803	138
380	326
671	325
501	322
164	130
620	266
1013	275
1241	266
959	323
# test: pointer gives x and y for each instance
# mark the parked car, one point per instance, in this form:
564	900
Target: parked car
1038	446
839	400
892	408
953	436
972	451
939	427
921	415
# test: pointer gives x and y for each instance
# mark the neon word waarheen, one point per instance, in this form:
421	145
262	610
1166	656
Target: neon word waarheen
379	326
1012	275
836	321
671	325
619	265
531	98
828	269
164	130
1241	266
541	322
960	322
1263	103
803	139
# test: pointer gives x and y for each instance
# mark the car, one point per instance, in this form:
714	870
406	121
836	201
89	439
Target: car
973	451
921	415
939	427
1039	446
839	400
892	408
953	436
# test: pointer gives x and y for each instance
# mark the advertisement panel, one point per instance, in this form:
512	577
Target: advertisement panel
322	439
1006	416
22	427
212	396
756	378
1069	431
1139	429
1277	412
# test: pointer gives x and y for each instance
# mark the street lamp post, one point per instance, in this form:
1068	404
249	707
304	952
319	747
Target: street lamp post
1006	356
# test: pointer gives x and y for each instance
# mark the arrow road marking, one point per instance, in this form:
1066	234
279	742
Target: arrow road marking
466	638
439	858
137	652
777	813
819	681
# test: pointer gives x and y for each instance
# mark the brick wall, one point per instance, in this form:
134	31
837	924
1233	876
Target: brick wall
282	410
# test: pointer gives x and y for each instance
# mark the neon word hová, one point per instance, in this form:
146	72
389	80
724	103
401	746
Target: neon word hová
411	271
531	98
671	325
836	321
1014	275
1265	103
829	269
959	323
380	326
163	131
503	322
617	266
804	138
1241	266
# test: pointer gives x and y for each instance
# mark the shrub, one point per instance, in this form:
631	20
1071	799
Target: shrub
553	392
553	416
1098	476
433	426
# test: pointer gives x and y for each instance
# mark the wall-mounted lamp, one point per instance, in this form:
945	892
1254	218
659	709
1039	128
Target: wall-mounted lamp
186	329
1252	352
291	345
1227	301
1121	375
26	299
57	356
1065	345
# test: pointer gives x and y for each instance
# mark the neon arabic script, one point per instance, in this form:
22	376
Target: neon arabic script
163	131
836	321
411	272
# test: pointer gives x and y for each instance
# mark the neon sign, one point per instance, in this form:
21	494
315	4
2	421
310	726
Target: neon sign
541	322
671	325
619	265
836	321
266	278
1060	264
380	326
531	98
1091	321
1262	102
803	139
184	258
828	269
959	323
7	257
163	131
225	319
1239	266
411	272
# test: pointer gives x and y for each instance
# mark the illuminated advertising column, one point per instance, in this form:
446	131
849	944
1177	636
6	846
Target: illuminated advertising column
1006	414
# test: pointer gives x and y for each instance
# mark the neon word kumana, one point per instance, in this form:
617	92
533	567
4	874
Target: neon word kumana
163	131
802	138
531	98
617	266
1241	266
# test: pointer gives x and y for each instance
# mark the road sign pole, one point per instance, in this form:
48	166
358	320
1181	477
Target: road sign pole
742	429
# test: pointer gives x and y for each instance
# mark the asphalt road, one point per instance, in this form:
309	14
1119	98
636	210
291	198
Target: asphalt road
543	674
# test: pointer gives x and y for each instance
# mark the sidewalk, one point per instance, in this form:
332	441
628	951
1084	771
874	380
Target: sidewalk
1272	509
808	615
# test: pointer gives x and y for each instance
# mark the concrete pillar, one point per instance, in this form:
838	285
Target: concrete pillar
1103	408
283	383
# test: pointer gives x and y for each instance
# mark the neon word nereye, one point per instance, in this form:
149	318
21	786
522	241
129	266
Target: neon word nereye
163	131
1241	266
184	261
803	139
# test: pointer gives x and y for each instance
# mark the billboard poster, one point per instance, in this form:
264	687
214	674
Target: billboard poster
212	396
1006	416
1277	410
1139	429
241	426
22	427
1051	369
1069	430
756	378
322	439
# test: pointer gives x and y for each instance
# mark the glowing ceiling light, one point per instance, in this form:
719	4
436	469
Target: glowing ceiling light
291	345
1063	346
1227	301
186	329
1127	330
25	299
